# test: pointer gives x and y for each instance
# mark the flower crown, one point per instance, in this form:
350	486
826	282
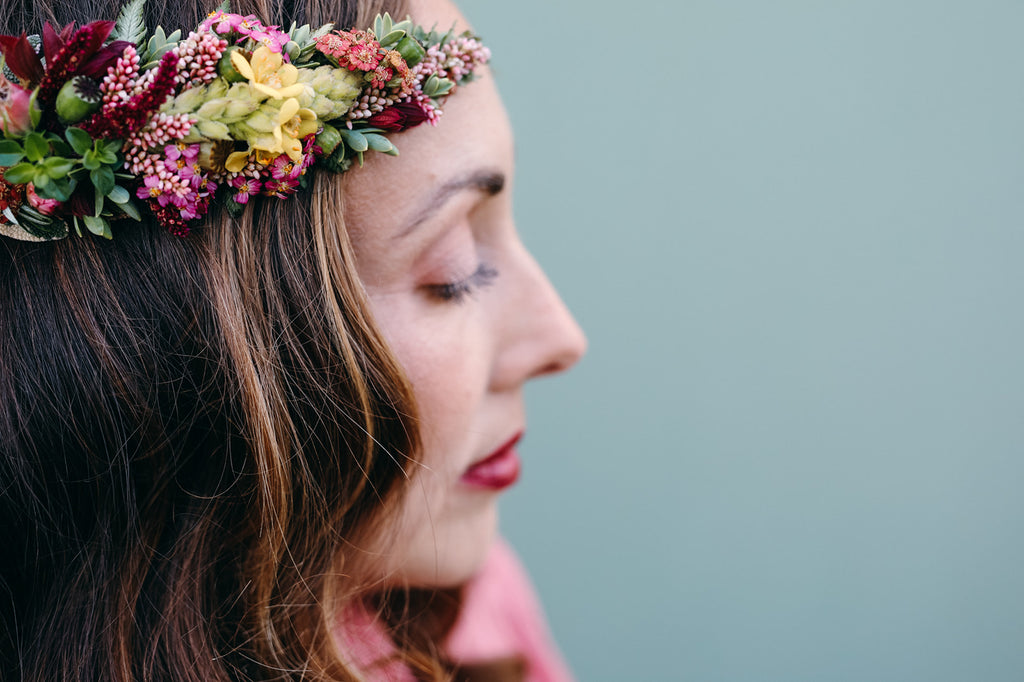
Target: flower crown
102	124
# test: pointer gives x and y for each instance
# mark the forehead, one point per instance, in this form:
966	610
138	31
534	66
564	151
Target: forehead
472	134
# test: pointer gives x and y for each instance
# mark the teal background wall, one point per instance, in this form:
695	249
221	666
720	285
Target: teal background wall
793	232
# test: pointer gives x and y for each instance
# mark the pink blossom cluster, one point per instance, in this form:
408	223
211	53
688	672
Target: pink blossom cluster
223	23
354	50
119	85
177	180
454	60
160	130
372	101
200	54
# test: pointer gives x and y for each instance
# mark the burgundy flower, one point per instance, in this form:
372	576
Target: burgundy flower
21	58
401	116
70	58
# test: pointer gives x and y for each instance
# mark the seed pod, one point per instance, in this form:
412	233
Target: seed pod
78	98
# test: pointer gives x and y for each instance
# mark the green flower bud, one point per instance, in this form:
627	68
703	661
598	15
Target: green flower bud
78	98
328	139
411	50
226	69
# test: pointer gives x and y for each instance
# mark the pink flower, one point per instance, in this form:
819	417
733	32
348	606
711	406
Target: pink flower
15	117
280	188
45	206
150	188
246	187
283	168
221	22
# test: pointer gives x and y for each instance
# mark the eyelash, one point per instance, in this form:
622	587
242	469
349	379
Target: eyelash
459	290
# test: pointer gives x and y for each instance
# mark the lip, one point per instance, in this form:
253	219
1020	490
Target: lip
498	470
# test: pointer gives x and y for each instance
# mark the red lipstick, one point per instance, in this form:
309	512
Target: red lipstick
498	470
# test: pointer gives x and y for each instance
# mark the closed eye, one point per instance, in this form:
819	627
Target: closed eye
459	290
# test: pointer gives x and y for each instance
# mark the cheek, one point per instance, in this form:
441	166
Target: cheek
439	349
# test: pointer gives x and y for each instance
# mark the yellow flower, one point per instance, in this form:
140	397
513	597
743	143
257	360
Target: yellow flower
268	74
291	125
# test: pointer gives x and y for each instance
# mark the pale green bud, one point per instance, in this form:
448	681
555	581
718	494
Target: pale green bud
322	107
238	109
214	130
189	100
261	121
213	109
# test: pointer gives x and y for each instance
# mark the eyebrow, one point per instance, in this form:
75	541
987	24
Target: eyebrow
490	182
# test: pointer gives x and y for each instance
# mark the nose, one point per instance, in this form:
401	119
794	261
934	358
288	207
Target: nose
539	335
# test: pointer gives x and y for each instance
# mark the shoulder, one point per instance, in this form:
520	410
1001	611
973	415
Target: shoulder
502	617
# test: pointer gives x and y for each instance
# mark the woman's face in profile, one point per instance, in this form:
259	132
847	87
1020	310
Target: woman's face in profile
467	311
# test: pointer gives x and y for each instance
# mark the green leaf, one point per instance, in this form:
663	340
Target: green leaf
42	182
61	148
36	147
10	153
119	195
130	209
21	174
355	140
79	140
103	180
109	145
58	167
78	228
34	112
91	161
225	6
98	226
391	39
379	28
321	32
378	143
437	87
107	157
61	190
131	24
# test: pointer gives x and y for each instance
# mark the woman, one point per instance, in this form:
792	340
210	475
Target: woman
271	449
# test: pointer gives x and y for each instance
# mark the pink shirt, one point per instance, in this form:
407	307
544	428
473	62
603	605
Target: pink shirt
501	617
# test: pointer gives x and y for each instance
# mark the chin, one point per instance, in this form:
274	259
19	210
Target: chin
444	554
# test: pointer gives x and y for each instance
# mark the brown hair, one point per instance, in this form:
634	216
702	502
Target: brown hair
197	436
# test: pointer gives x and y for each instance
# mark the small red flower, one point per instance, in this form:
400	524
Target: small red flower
401	116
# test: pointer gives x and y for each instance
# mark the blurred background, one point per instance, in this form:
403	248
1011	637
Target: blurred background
794	232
